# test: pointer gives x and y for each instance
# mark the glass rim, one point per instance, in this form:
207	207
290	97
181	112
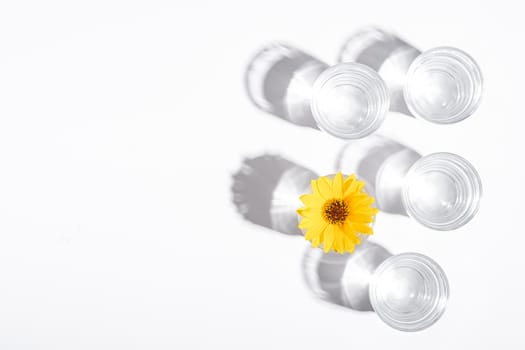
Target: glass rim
459	57
356	71
434	273
464	169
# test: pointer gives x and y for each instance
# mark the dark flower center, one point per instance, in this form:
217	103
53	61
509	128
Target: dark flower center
335	211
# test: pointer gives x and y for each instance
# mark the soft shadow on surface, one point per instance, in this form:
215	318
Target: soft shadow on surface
343	279
266	190
279	80
382	163
386	53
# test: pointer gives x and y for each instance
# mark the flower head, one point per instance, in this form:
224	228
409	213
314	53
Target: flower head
336	213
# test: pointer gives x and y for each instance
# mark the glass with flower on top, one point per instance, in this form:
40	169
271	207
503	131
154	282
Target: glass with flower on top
338	213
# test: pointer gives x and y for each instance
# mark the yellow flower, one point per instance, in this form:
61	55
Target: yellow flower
336	212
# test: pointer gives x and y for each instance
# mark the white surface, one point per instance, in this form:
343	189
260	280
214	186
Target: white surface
120	125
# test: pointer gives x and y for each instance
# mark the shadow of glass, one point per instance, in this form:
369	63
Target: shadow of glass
387	54
279	80
382	163
266	192
343	279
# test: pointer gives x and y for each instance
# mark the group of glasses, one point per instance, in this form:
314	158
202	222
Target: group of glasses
377	72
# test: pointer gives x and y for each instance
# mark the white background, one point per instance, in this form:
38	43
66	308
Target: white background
121	123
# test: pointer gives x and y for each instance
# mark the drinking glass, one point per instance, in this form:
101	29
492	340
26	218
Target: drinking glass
348	100
441	190
407	291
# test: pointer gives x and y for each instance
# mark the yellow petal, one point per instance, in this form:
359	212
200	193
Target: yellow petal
355	187
324	187
348	182
365	219
303	211
359	185
349	190
337	186
362	228
311	234
365	211
356	198
313	225
314	228
305	223
349	245
308	235
312	200
339	245
316	240
313	184
350	233
312	213
361	202
328	238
